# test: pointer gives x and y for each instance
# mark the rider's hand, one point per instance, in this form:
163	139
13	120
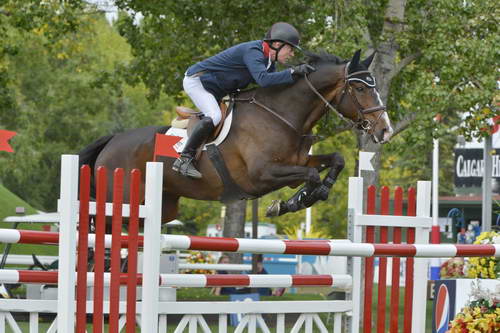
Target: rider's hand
302	69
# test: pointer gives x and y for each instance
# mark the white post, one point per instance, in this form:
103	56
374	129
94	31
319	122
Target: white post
487	190
420	273
435	193
152	249
309	209
355	234
68	210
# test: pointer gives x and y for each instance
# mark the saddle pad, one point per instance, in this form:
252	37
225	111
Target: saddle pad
179	146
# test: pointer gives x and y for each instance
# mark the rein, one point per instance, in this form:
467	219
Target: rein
268	109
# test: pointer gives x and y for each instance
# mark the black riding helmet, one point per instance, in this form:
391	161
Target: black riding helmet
282	32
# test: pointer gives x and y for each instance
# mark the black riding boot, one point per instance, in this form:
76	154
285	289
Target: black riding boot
184	164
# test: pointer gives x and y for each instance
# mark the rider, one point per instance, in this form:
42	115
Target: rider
208	81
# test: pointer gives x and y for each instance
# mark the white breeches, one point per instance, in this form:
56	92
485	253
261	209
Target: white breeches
204	101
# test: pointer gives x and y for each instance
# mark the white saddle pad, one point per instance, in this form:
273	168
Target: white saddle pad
180	132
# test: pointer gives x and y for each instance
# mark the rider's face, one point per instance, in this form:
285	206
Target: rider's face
284	54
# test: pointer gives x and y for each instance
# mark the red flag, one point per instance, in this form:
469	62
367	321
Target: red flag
164	145
4	140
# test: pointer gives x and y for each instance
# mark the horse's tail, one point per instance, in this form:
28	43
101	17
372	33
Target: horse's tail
88	156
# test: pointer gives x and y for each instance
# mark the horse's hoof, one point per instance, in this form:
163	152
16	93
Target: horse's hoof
274	209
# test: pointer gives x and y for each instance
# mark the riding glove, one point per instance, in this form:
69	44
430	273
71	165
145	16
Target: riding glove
303	69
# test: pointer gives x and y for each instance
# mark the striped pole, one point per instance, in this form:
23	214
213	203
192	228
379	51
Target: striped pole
328	248
301	247
340	281
17	236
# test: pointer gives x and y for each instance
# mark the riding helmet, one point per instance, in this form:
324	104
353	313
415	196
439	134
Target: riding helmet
283	32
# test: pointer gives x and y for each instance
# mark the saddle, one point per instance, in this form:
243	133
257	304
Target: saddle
187	118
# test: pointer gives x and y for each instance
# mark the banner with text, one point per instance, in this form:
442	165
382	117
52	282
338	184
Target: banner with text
469	166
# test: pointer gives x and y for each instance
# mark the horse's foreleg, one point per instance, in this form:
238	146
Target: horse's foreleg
311	192
278	175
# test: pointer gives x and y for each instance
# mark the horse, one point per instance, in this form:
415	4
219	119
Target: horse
268	145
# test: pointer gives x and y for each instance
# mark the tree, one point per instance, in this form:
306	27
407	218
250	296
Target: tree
59	97
425	64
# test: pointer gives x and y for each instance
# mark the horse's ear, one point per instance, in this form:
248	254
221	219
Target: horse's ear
355	61
367	62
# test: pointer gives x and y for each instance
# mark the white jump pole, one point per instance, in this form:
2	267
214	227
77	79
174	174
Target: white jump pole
421	269
355	234
152	247
68	210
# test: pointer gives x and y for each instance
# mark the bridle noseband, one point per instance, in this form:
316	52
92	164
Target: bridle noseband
362	122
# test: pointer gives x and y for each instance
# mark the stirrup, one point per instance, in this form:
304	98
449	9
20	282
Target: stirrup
184	166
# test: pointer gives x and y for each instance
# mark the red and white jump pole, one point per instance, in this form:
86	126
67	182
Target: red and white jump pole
340	281
327	248
300	247
16	236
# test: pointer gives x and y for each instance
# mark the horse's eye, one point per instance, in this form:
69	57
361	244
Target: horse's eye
360	89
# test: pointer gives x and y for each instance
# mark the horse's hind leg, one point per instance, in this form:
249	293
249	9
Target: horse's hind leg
311	192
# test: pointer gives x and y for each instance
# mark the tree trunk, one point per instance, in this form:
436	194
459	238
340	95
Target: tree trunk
234	225
384	68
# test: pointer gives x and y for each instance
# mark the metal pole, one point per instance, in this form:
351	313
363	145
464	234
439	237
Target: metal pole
488	166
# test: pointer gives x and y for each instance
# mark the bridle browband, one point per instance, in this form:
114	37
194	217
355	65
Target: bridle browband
362	122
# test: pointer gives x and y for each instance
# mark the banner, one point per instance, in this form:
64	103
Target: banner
469	167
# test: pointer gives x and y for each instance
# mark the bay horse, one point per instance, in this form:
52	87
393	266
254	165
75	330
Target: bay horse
268	145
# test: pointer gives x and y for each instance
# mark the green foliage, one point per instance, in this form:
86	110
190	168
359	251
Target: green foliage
57	104
172	35
67	77
197	215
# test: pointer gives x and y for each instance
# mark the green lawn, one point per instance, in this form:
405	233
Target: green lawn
8	203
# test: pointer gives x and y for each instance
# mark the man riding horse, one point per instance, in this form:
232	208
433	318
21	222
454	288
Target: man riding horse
208	81
267	145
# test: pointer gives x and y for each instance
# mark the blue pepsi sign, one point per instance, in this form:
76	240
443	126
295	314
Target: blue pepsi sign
444	305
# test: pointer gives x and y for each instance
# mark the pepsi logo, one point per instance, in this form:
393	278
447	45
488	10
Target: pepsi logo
442	311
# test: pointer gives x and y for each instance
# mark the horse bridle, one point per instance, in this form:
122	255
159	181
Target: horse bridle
362	122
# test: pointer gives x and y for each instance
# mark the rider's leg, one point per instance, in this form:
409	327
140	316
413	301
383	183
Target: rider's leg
184	164
202	99
208	105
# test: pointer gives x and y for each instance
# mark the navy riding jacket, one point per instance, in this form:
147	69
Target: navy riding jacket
236	67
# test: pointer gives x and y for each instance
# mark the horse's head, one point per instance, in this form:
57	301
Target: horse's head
356	98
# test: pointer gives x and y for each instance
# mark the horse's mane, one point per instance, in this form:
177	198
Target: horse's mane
323	57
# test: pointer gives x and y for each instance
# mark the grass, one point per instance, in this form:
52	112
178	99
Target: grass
8	203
